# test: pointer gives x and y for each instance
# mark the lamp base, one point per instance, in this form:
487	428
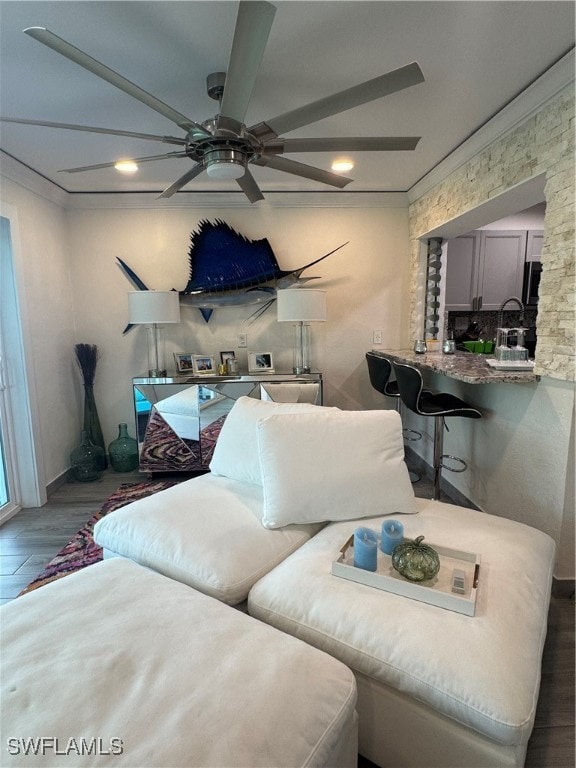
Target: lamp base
301	354
157	373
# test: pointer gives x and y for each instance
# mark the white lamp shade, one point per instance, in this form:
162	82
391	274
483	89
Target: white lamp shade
301	305
147	307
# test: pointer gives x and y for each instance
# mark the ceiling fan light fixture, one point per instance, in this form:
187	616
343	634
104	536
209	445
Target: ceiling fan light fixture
342	165
126	166
225	164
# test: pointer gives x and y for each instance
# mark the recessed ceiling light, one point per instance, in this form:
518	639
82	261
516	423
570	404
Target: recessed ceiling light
126	166
342	164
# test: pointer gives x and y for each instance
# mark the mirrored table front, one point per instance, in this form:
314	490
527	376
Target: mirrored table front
178	419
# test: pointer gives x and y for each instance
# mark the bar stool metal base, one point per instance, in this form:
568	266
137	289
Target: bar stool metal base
439	465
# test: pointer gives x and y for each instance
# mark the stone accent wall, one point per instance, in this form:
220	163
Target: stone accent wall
543	143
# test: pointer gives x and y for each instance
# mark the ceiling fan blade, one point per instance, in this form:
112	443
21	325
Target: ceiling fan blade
346	144
92	129
247	184
391	82
133	159
253	26
101	70
182	181
299	169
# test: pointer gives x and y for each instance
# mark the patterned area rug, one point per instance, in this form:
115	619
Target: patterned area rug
81	550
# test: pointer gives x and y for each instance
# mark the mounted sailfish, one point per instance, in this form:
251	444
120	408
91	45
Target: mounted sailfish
227	269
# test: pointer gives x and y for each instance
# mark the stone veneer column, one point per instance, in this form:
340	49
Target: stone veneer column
543	143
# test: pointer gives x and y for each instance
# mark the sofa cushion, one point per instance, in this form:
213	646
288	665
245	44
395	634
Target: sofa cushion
332	465
151	673
236	452
482	671
205	532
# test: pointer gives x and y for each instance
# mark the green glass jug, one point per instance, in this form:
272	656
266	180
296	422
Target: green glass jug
123	451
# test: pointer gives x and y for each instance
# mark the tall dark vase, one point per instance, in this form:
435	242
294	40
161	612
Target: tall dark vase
92	422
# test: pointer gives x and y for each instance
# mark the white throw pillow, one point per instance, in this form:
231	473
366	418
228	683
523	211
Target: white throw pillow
236	452
333	465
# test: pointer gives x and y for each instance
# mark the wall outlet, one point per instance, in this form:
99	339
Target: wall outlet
376	337
242	339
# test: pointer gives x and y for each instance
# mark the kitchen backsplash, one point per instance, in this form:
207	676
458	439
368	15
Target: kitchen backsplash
457	322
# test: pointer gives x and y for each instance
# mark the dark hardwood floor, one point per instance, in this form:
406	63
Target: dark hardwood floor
33	537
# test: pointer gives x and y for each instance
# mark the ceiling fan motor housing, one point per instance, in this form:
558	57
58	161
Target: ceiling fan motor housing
225	163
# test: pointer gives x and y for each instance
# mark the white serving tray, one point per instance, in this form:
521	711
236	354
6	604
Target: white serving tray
437	591
511	365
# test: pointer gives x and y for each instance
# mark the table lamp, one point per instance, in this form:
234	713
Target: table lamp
301	306
153	308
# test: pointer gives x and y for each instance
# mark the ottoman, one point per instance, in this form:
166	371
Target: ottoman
118	666
435	687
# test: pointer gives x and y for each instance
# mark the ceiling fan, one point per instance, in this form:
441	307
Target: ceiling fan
224	146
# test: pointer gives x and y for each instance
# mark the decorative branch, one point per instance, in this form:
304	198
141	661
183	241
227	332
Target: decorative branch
87	357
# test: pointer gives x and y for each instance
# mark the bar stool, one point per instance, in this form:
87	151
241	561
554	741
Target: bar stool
440	406
379	371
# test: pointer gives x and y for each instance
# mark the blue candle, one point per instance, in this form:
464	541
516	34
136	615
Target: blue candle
392	535
365	549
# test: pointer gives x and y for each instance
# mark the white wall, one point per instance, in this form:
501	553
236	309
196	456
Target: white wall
531	218
366	284
45	292
518	453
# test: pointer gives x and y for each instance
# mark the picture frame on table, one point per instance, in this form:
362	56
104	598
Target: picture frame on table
225	356
203	365
184	362
260	362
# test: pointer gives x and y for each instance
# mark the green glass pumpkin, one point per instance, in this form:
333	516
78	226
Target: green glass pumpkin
416	561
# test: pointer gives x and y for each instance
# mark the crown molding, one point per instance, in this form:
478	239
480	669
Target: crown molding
223	200
16	171
519	110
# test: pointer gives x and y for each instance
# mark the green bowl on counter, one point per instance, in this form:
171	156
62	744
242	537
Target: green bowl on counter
480	347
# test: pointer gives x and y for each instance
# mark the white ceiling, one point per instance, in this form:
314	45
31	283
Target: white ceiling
476	57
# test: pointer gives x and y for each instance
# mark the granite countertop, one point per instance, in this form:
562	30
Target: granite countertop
463	366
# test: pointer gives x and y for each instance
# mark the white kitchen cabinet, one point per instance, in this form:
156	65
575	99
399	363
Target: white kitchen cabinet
534	244
484	268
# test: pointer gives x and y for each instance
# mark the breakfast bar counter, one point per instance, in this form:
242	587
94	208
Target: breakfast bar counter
463	366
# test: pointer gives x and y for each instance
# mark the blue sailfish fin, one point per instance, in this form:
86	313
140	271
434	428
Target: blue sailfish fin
221	259
136	282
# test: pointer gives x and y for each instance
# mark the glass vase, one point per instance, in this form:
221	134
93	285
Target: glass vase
123	451
92	423
86	460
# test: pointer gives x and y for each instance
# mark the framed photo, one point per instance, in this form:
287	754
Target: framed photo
259	362
224	356
203	365
184	362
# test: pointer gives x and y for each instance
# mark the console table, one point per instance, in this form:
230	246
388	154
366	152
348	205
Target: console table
179	418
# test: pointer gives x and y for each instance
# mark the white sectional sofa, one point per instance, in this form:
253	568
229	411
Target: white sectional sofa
288	485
